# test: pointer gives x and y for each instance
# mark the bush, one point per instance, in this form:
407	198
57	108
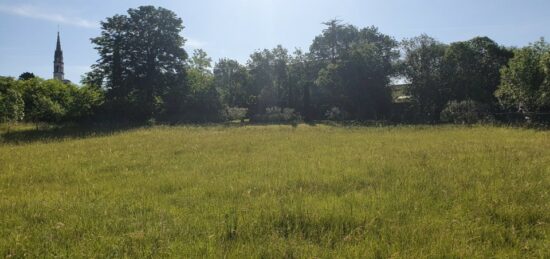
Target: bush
11	102
85	103
335	114
203	106
525	82
465	112
279	115
45	101
236	113
53	101
202	103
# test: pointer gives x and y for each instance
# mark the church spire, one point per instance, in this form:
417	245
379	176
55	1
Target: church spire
58	47
58	66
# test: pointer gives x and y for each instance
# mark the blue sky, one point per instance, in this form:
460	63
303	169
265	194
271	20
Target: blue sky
235	28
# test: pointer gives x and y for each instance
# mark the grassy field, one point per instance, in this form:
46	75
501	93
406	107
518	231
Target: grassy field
276	191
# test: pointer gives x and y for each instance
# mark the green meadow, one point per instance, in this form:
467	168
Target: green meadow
276	192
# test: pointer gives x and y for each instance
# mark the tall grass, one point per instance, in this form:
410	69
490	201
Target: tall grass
278	191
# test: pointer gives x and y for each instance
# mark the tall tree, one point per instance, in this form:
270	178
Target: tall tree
422	67
203	102
231	79
334	42
262	88
357	76
281	77
300	79
11	101
142	61
200	61
525	83
112	71
472	69
304	70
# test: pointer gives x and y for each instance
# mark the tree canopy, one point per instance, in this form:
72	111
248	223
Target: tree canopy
525	85
142	63
144	74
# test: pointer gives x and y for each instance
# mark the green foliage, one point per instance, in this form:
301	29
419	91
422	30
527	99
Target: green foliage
356	69
203	102
26	76
12	105
334	42
422	68
269	79
278	115
346	67
52	101
278	191
525	81
236	113
144	73
336	114
86	102
46	100
463	71
302	74
94	78
465	112
142	63
232	80
472	69
200	61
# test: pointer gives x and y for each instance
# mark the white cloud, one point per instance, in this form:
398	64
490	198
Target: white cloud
46	15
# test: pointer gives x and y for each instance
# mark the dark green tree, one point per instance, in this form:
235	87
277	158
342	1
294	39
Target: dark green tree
86	101
232	80
270	79
301	78
203	102
26	76
472	69
334	42
263	92
52	101
357	74
422	67
281	76
200	61
46	100
110	71
142	62
11	102
94	78
525	82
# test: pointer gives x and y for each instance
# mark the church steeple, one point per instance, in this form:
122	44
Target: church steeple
58	66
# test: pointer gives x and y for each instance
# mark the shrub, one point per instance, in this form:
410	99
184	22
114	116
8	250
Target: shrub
236	113
335	114
279	115
53	101
201	104
45	101
525	82
86	101
11	102
465	112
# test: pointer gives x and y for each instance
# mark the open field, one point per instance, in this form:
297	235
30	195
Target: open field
278	191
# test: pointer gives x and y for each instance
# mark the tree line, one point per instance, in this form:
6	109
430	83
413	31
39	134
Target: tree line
144	74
